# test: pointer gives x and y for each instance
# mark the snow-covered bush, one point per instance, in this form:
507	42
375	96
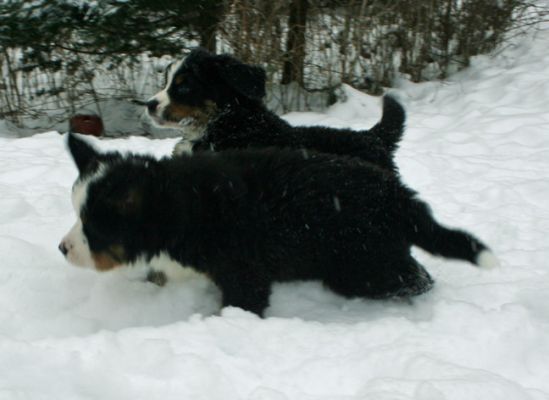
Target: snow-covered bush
59	57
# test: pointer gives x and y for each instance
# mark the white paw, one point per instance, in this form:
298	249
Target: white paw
182	147
487	260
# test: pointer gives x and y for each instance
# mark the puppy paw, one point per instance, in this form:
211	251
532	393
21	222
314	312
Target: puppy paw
487	260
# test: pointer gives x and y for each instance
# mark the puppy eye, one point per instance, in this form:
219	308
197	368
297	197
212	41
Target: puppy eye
179	79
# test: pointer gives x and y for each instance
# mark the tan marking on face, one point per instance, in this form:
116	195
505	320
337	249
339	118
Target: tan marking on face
177	112
104	261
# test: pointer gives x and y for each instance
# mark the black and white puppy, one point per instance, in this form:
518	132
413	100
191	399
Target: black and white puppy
248	218
217	101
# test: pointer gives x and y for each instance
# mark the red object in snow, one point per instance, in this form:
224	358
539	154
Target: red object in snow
86	124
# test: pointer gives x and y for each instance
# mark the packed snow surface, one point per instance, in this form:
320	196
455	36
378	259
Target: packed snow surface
476	148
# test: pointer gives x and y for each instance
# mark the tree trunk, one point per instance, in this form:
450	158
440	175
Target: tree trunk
207	23
208	39
294	58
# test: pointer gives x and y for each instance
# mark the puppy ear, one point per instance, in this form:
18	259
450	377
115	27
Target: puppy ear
247	80
84	155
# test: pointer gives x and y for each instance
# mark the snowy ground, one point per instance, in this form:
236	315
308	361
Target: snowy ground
476	148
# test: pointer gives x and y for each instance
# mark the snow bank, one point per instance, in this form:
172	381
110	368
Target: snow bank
476	148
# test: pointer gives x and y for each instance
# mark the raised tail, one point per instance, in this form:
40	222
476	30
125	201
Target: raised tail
425	232
391	127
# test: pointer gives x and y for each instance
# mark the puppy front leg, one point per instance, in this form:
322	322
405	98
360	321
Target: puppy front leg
250	296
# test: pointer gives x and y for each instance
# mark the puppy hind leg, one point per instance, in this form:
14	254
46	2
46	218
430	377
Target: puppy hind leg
401	278
414	281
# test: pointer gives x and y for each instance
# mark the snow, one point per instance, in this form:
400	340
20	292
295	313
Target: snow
476	148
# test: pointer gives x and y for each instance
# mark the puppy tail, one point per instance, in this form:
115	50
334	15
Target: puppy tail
425	232
391	127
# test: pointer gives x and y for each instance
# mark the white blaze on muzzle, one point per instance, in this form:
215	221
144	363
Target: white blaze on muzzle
75	247
162	99
74	244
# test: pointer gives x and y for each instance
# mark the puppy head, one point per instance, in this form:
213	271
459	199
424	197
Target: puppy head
108	198
201	84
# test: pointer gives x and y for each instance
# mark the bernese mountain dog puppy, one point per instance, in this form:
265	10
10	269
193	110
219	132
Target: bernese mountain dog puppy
216	100
248	218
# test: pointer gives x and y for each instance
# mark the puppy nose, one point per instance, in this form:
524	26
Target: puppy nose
63	249
152	105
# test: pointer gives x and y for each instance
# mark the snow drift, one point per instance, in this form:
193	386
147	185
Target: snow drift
476	148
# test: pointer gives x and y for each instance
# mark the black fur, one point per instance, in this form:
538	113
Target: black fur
240	119
248	218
